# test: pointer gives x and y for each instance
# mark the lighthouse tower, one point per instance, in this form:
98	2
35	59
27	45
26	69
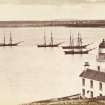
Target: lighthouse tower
101	51
101	55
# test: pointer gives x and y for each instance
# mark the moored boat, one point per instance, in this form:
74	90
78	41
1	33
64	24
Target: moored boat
10	42
51	44
79	44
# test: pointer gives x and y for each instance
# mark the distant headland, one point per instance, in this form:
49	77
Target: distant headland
64	23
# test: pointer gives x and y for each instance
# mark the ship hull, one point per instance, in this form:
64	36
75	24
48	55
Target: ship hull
74	47
54	45
13	44
9	45
76	52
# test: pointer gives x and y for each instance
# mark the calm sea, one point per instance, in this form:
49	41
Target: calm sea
28	73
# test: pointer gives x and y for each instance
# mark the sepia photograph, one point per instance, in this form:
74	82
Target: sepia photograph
52	52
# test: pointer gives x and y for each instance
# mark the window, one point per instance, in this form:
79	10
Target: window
83	82
83	92
100	94
91	83
91	94
100	86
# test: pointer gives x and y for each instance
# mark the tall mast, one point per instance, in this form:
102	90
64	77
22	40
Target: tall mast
78	40
70	40
4	39
51	39
10	40
44	38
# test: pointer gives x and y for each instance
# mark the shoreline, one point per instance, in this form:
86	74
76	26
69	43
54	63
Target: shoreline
75	101
51	23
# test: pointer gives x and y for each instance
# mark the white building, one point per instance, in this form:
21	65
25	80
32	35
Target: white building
93	82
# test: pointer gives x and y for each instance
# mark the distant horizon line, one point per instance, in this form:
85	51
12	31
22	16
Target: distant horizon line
57	22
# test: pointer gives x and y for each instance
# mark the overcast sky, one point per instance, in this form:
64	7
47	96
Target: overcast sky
51	9
62	2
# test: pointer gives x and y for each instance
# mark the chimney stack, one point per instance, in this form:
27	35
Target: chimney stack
86	65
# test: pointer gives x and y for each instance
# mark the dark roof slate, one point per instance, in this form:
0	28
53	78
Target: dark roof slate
93	74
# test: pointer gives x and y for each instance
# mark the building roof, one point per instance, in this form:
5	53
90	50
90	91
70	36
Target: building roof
93	74
102	44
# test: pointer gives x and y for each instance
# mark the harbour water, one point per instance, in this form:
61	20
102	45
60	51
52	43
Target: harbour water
28	73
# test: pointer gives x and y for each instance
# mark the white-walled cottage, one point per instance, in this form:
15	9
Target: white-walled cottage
93	82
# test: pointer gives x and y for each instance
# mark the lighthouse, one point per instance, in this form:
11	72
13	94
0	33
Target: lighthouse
101	51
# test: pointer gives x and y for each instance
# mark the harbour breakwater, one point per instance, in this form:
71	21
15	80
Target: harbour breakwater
64	23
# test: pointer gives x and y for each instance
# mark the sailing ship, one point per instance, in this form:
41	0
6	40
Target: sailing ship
10	42
52	44
79	43
79	48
